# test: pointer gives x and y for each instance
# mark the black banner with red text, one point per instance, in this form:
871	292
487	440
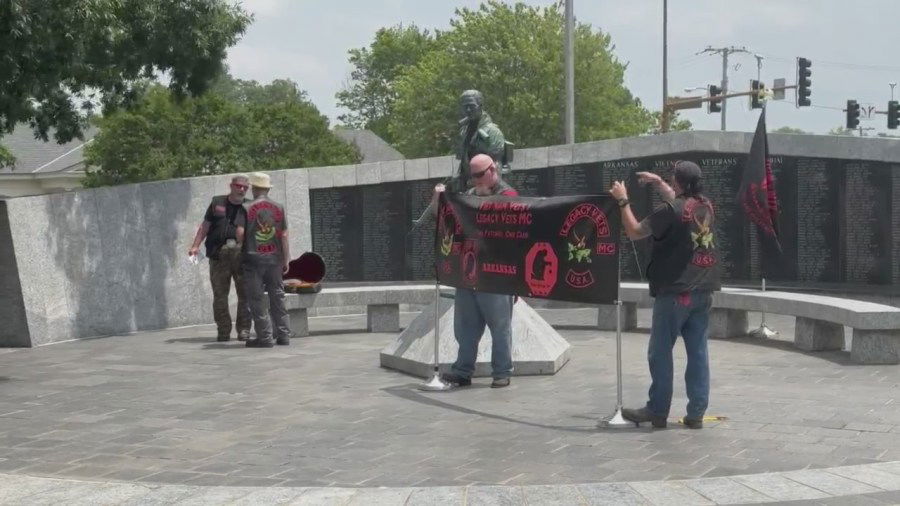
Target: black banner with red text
561	248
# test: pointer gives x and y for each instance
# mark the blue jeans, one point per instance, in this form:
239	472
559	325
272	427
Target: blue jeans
472	311
686	314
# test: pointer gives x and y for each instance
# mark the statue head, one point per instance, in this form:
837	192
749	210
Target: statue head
471	102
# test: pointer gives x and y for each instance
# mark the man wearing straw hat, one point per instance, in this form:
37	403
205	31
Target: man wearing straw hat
266	255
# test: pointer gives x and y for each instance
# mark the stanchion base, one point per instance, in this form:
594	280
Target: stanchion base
435	384
616	421
763	332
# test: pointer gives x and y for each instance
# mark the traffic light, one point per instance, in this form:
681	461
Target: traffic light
893	114
714	105
803	82
853	114
756	90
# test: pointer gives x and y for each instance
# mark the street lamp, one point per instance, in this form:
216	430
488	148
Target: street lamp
695	88
892	89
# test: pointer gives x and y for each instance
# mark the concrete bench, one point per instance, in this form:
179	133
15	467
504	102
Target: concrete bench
820	319
382	304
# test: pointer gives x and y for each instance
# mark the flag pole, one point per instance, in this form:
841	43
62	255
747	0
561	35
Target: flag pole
758	158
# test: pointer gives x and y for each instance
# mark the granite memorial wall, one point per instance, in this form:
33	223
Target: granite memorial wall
112	260
838	219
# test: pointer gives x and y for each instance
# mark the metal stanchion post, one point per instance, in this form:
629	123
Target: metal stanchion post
763	331
616	420
436	384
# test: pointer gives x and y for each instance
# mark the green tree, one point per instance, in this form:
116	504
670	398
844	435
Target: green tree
164	136
60	58
513	54
369	95
788	130
676	123
6	158
840	131
244	92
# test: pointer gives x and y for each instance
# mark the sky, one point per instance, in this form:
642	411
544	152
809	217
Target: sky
852	45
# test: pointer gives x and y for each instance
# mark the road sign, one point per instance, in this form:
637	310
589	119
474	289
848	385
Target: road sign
779	93
867	112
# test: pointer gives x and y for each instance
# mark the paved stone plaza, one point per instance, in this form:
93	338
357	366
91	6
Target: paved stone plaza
174	416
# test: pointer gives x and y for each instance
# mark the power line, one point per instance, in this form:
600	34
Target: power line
826	107
857	66
810	105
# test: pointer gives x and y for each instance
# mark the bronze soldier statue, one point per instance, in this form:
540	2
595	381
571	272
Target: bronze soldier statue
478	134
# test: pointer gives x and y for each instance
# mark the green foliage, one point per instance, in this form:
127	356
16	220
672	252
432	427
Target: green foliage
369	95
243	92
6	158
243	126
676	124
61	58
841	131
511	53
788	130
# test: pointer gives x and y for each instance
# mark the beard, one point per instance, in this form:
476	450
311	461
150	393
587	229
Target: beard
483	191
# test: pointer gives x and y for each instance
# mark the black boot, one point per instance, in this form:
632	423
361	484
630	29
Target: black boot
453	379
692	423
642	415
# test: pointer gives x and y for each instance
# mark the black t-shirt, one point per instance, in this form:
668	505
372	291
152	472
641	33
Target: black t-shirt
221	215
684	255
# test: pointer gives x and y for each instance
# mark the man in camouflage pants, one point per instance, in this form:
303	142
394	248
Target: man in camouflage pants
223	248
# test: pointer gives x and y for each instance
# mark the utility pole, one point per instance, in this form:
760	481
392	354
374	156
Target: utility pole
570	72
724	51
664	115
759	59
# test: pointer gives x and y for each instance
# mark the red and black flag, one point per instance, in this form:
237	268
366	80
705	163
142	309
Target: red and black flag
757	194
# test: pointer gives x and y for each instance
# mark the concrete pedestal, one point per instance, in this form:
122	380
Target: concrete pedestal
536	347
726	323
818	335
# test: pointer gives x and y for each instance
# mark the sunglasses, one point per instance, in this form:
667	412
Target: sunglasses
241	186
478	175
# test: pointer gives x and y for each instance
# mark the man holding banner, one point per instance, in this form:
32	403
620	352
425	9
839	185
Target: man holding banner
473	310
683	273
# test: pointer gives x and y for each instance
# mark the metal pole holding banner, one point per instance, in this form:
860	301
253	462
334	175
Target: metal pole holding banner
436	384
763	331
616	420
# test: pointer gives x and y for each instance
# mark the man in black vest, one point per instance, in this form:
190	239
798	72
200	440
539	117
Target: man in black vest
683	273
224	252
